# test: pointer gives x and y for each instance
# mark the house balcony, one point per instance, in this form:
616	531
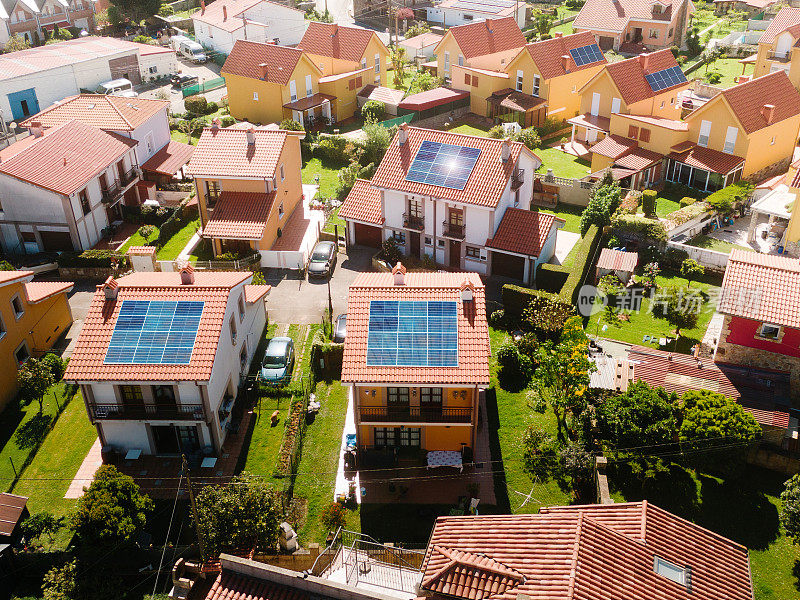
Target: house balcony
413	222
414	414
111	193
128	176
61	17
783	57
517	179
149	412
452	230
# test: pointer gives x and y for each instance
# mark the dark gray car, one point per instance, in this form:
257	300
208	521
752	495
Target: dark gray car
322	260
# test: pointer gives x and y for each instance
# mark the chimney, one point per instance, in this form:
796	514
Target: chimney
505	151
224	13
399	273
110	286
202	7
643	60
251	137
768	112
467	291
558	34
36	129
65	161
215	124
565	62
187	274
402	134
262	70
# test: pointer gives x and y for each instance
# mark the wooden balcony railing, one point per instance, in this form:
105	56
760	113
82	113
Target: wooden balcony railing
189	412
128	176
111	193
415	414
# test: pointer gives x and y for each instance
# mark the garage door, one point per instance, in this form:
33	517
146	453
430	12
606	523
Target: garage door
366	235
53	241
507	265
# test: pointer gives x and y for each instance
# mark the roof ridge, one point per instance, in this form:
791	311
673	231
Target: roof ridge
469	135
573	570
113	105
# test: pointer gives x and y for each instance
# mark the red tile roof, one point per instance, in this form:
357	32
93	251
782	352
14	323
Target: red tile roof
617	260
169	159
230	585
747	100
344	42
487	37
245	58
629	75
613	146
36	291
226	153
213	288
422	40
67	157
761	287
547	54
141	250
485	185
787	17
674	124
11	509
523	231
253	293
705	158
591	121
614	15
473	331
363	203
239	216
431	98
381	94
105	112
215	16
638	158
7	277
593	552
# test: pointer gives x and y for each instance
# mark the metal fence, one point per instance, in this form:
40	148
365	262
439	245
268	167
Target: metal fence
228	265
206	86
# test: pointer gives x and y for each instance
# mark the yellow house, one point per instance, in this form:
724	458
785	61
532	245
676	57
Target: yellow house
248	186
33	316
338	49
777	46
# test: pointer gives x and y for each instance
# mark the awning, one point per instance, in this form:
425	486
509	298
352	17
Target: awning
516	101
169	159
309	102
591	122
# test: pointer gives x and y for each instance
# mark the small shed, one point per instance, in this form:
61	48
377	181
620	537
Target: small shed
420	48
390	98
13	510
434	102
618	262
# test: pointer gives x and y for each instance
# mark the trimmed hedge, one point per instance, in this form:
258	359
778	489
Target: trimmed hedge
640	226
584	261
687	213
146	215
182	216
517	298
551	278
727	199
91	259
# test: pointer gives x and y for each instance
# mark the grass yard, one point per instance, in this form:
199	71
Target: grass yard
137	240
334	220
571	214
565	28
470	130
328	175
408	77
177	242
729	68
709	243
563	164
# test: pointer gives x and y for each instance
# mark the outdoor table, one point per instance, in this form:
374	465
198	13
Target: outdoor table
445	458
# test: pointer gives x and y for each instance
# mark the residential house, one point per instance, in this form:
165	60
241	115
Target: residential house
219	24
416	390
33	316
248	186
774	222
421	47
761	327
473	215
778	48
161	356
755	9
62	187
597	551
34	19
487	45
635	26
343	50
452	13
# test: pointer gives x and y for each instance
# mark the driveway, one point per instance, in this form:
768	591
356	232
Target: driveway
210	70
295	300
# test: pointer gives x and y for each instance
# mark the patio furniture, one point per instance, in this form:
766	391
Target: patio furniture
646	339
445	458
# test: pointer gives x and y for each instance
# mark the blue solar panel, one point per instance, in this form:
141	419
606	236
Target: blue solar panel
154	332
661	80
444	165
586	55
412	334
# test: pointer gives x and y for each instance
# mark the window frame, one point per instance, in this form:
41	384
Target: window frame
233	329
520	79
23	345
537	84
397	396
472	252
3	330
130	394
241	307
18	314
255	96
778	331
86	205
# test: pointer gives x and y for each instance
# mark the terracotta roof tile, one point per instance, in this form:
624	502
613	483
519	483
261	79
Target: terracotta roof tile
786	18
240	216
7	277
381	94
485	185
523	231
245	58
213	288
547	54
141	250
67	157
629	75
101	111
36	291
430	98
343	42
517	101
706	158
617	260
253	293
638	158
363	203
11	509
674	124
613	146
470	575
225	152
422	41
169	159
473	331
230	585
294	231
614	15
487	37
747	100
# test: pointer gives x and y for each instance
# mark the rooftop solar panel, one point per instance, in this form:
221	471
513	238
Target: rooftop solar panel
661	80
406	333
154	332
444	165
586	55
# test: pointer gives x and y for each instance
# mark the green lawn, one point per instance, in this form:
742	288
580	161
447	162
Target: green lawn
408	77
470	130
177	242
333	220
328	175
565	28
563	164
571	214
709	243
729	68
137	240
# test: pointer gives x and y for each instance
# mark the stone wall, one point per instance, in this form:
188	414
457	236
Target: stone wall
770	170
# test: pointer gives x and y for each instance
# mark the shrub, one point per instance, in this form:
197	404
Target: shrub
687	213
348	176
602	205
498	319
333	516
649	202
291	125
373	110
549	126
143	39
332	148
514	366
687	201
92	258
497	132
146	231
166	10
530	138
728	198
630	204
228	120
179	219
551	278
681	60
376	143
391	251
640	227
546	316
196	105
6	266
517	298
211	107
584	256
713	77
675	51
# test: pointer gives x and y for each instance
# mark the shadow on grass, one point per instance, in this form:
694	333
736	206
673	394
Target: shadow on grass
33	431
10	419
496	452
512	380
796	573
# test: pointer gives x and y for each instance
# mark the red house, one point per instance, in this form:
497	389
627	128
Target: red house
761	303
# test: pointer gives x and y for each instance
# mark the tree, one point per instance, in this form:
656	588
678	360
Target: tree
790	508
41	523
515	368
529	138
61	583
243	515
678	308
15	43
376	142
111	510
136	10
642	416
542	22
545	459
691	269
398	60
424	81
373	111
33	380
56	365
291	125
546	316
333	516
417	29
312	14
649	273
602	204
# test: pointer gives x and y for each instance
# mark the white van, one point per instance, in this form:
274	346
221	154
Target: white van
117	87
188	49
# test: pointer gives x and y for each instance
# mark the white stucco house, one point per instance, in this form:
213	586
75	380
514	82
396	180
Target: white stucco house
450	13
172	393
219	24
463	200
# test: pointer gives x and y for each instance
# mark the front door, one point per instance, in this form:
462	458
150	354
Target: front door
455	254
165	438
189	440
414	238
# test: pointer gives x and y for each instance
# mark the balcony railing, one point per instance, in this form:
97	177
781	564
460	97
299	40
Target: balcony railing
413	222
452	230
517	179
415	414
189	412
111	193
128	176
779	56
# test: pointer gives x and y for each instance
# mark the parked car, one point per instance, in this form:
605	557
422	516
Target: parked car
188	49
278	362
182	81
340	329
117	87
323	259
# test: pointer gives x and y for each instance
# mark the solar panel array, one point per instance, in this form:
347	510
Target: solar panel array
661	80
151	332
494	7
586	55
445	165
407	333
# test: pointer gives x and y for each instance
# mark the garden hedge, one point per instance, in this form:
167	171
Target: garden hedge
584	262
517	298
182	216
640	226
91	259
551	278
726	199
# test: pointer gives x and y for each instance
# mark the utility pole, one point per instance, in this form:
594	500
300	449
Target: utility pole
185	466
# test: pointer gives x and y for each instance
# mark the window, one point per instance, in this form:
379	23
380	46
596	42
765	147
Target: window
410	436
769	331
255	96
460	60
241	307
152	70
232	324
384	436
351	85
467	78
212	193
84	198
474	81
163	394
654	34
705	132
633	132
399	237
644	135
309	87
21	354
292	90
430	396
671	571
17	307
662	104
595	104
428	242
771	143
519	81
730	140
396	396
536	82
148	140
468	17
441	243
377	63
359	81
131	394
280	211
243	358
669	33
615	104
364	63
283	175
2	328
473	252
447	61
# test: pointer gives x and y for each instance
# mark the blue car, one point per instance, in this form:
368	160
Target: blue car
278	362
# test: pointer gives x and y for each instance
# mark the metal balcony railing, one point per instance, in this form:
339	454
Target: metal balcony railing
415	414
172	411
111	193
452	230
413	222
517	179
128	176
779	56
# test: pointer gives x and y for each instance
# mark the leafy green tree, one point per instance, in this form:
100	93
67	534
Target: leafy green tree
416	29
529	138
398	60
291	125
136	10
348	175
642	416
675	306
56	365
33	380
15	43
61	583
41	523
243	515
604	201
691	269
312	14
373	111
258	278
112	509
6	266
790	508
515	368
376	142
546	458
424	81
542	22
546	316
